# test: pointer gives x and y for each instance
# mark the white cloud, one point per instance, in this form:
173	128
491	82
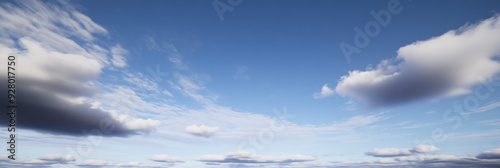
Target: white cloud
203	131
118	58
441	66
394	152
325	92
249	158
425	149
166	159
95	163
389	152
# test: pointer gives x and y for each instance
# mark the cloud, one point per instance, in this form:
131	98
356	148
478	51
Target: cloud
423	161
486	108
106	163
249	158
394	152
425	149
174	56
241	73
446	65
55	73
489	154
166	159
203	131
192	86
118	59
492	122
325	92
95	163
481	135
142	81
358	121
389	152
57	158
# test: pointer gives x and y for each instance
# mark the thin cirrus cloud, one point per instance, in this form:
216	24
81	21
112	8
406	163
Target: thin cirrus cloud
202	131
394	152
57	72
442	66
118	58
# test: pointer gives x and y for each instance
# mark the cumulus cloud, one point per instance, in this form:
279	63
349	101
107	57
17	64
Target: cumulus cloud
489	154
95	163
325	92
389	152
249	158
203	131
394	152
166	159
56	73
57	158
442	66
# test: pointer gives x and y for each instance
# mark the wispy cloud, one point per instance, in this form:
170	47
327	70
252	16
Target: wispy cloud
492	122
118	56
241	73
486	108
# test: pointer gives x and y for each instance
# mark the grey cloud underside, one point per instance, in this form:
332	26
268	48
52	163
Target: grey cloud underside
490	154
41	110
406	88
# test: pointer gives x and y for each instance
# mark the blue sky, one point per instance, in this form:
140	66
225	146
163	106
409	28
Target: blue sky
261	84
